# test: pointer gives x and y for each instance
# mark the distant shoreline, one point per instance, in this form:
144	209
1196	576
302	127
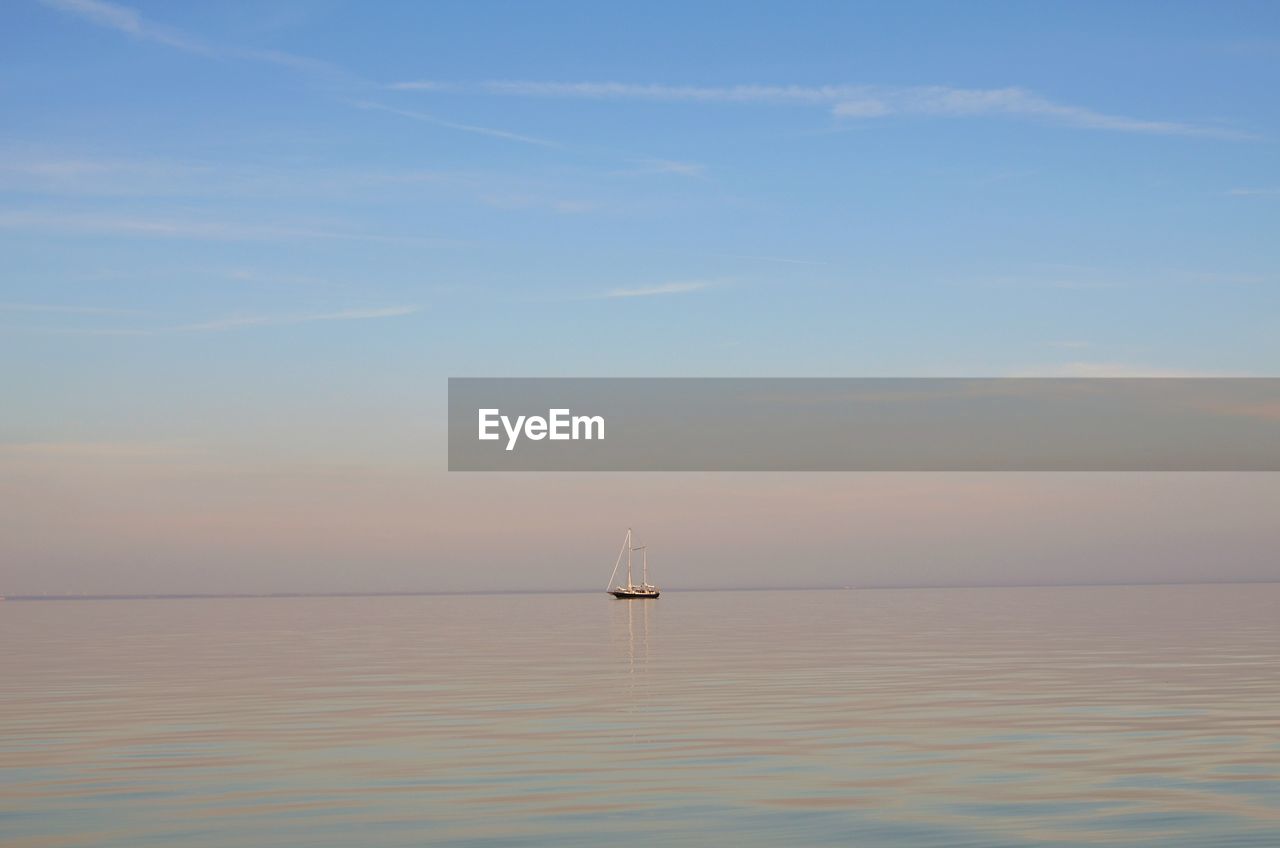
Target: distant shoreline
201	596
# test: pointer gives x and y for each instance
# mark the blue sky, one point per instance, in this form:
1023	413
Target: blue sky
271	230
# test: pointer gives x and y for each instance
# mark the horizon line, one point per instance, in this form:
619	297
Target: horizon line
176	596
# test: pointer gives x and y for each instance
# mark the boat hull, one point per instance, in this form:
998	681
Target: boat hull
625	595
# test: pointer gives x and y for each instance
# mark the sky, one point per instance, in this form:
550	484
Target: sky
243	245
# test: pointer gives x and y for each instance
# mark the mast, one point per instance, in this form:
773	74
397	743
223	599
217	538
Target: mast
645	567
629	549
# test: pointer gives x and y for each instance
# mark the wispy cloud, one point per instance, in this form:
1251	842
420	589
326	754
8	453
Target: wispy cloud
86	176
95	176
246	321
58	223
633	91
846	101
943	101
26	170
64	309
129	21
453	125
239	322
670	166
660	289
78	169
1117	369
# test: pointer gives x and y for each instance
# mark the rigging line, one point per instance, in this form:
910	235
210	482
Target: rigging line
617	562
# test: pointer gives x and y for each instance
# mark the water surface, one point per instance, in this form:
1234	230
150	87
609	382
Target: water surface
984	717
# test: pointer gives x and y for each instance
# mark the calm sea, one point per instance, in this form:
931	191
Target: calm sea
983	717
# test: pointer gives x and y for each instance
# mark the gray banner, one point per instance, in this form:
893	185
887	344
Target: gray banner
641	424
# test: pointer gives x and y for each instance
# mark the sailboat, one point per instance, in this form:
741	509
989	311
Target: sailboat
632	590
